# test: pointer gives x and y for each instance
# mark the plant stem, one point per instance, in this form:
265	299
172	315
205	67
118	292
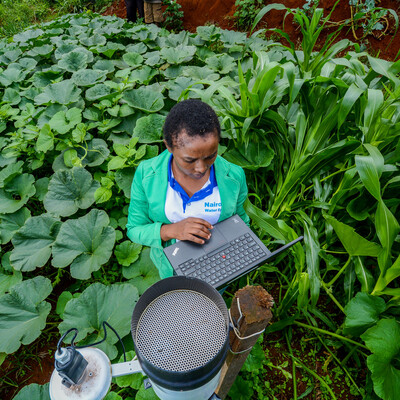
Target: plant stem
330	176
339	363
329	293
330	334
293	368
316	376
339	273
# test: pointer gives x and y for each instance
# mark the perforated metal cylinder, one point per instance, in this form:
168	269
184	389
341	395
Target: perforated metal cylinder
180	331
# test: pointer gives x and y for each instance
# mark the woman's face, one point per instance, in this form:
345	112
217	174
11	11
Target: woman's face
194	155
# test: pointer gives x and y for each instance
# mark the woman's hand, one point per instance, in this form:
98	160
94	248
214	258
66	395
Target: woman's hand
194	229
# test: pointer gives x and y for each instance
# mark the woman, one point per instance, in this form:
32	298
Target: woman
181	193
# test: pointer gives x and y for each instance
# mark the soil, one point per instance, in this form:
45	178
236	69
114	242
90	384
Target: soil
220	13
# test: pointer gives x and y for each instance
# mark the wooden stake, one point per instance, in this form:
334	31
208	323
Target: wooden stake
250	319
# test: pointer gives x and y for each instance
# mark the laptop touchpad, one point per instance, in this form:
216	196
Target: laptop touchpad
217	240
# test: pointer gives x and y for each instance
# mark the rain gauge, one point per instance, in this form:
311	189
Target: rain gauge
180	331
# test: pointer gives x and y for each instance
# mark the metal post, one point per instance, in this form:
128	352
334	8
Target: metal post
250	314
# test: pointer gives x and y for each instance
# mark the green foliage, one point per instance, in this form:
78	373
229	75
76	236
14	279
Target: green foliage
84	244
384	342
134	380
246	11
173	15
373	20
99	303
84	98
34	391
17	15
23	312
362	312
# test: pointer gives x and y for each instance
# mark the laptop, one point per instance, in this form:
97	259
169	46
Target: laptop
232	251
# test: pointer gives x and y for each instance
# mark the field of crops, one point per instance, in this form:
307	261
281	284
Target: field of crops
83	101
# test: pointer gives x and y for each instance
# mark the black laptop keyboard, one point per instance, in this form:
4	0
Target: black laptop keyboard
216	267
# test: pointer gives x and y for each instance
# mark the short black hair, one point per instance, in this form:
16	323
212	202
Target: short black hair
194	117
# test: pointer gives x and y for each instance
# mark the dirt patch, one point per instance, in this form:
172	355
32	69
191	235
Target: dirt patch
220	12
32	364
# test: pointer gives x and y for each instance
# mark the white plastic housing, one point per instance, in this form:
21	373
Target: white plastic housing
202	393
94	384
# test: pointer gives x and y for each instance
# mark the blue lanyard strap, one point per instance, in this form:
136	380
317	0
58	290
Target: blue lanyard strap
200	195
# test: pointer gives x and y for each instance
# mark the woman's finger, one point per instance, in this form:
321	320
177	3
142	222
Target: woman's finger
196	239
200	221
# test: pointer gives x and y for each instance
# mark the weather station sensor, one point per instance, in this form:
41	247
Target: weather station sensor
180	331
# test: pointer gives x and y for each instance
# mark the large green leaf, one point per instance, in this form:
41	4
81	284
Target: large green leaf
27	35
146	394
241	390
23	313
94	154
149	129
34	392
221	63
64	92
70	190
312	247
384	342
256	359
143	75
9	172
10	223
127	252
132	380
364	275
133	59
73	61
153	58
387	229
45	141
255	156
200	73
276	228
387	277
8	275
142	273
62	122
11	96
14	73
16	193
88	77
310	167
104	65
32	243
177	86
113	396
144	99
109	48
362	312
178	54
43	51
113	304
369	174
93	40
124	178
98	92
375	101
354	244
85	243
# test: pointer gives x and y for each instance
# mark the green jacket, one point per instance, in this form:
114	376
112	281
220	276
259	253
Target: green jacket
147	206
